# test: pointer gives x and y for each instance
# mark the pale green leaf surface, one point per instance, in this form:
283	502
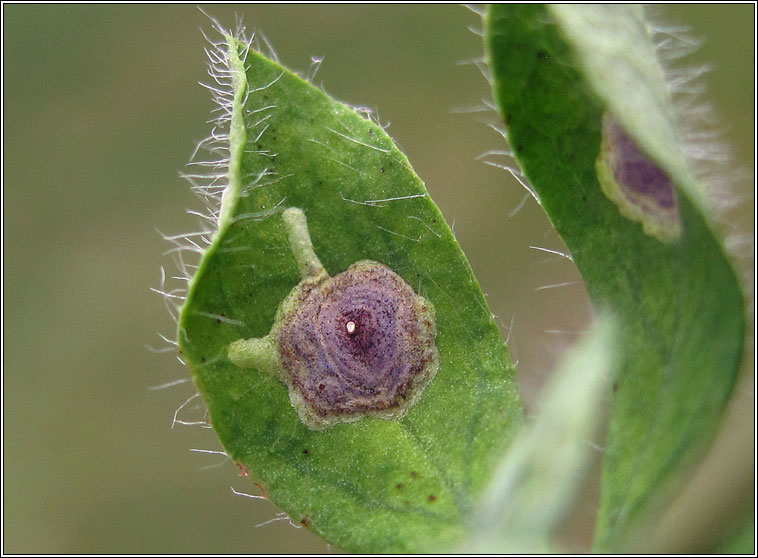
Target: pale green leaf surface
556	71
541	476
374	485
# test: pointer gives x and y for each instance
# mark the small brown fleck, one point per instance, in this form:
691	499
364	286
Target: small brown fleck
381	169
399	486
305	451
432	498
262	489
414	474
305	521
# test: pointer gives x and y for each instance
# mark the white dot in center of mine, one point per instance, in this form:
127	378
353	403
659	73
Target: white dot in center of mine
350	327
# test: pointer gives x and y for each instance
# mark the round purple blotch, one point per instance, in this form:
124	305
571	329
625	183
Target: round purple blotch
641	190
360	343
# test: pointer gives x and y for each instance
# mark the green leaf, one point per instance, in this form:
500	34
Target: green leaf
542	474
561	75
374	485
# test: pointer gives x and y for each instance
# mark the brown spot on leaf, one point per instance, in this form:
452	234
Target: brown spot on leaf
262	489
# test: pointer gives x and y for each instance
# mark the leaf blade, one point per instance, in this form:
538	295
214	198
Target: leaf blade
373	485
679	303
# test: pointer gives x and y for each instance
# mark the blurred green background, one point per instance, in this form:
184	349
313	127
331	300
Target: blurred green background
101	111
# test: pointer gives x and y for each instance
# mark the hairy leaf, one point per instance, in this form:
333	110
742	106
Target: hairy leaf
377	484
588	117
